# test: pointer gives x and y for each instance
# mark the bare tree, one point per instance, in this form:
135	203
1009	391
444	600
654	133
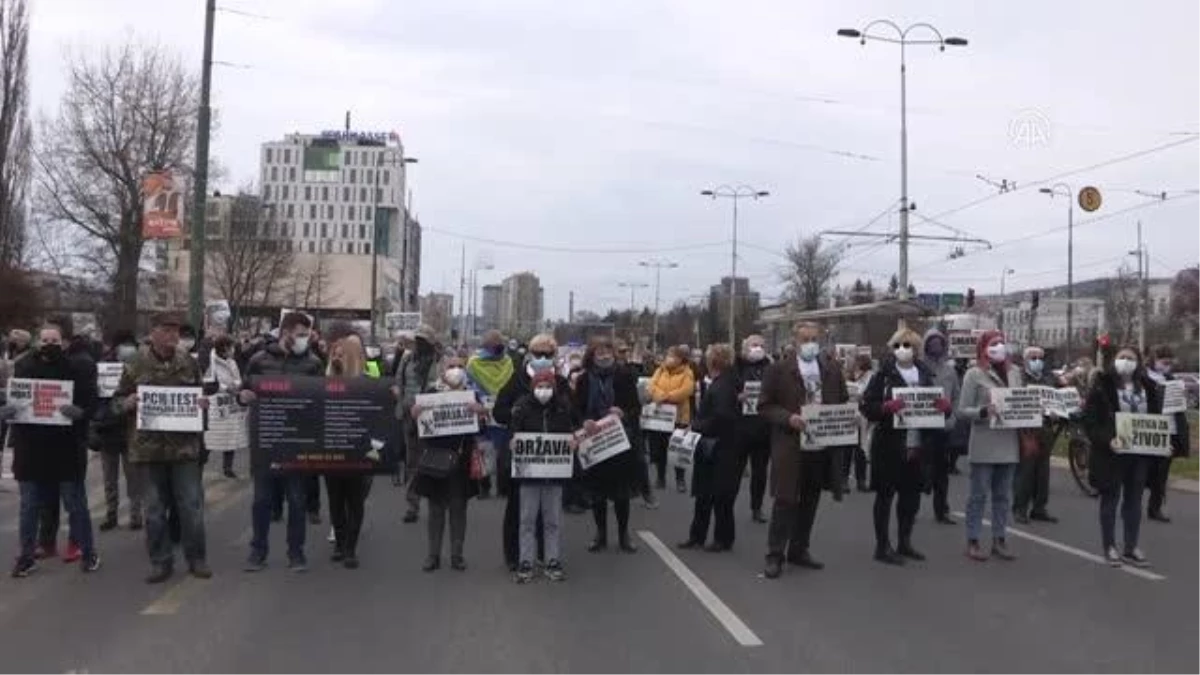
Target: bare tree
127	111
248	264
811	268
1121	306
14	130
310	286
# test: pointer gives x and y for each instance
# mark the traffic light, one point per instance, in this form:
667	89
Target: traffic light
1035	299
970	298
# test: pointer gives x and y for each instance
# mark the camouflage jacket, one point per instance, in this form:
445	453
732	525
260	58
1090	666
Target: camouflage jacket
181	370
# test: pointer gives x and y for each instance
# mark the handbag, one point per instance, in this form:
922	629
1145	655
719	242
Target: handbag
438	462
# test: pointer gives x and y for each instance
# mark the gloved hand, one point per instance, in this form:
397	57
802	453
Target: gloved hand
7	412
71	412
893	406
943	405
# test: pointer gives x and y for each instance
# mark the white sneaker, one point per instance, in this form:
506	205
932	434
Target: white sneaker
1112	557
332	538
1136	558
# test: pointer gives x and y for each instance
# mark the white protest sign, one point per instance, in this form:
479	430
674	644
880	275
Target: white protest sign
172	409
220	406
1016	408
608	442
829	426
752	390
919	411
39	401
682	447
1049	398
397	322
962	344
1068	400
1143	435
659	417
489	402
1174	397
546	456
446	413
643	389
108	377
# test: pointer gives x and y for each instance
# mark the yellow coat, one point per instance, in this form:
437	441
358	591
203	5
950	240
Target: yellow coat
674	386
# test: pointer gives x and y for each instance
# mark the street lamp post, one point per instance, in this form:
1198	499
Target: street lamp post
378	221
734	194
659	266
1064	190
903	40
1003	276
475	292
633	286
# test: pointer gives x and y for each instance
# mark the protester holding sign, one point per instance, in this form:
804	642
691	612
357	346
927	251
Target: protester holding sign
717	466
112	440
1121	386
489	370
754	433
673	383
602	390
50	460
444	475
1161	371
170	461
993	452
537	417
226	431
1033	473
898	456
939	444
419	371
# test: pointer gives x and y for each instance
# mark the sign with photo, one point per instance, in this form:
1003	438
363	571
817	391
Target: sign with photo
1174	397
829	426
1142	435
608	442
1016	408
446	413
682	447
752	390
919	410
108	376
659	417
39	401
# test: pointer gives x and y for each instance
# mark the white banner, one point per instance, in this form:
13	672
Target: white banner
108	377
752	390
919	411
446	413
1016	408
608	442
682	447
829	426
38	401
1143	434
1174	397
659	417
542	455
397	322
221	406
962	344
173	409
1062	402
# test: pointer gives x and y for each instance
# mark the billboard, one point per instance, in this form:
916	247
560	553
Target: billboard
162	206
322	158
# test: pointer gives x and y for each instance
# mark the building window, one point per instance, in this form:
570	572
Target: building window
362	231
291	211
310	247
312	210
370	175
362	194
387	176
348	156
345	194
329	211
378	195
287	156
268	155
292	173
345	234
329	246
366	213
285	192
306	230
366	249
274	173
266	192
353	176
324	194
324	232
307	193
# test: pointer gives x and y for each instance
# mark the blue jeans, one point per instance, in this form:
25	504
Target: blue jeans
74	497
266	490
997	479
177	485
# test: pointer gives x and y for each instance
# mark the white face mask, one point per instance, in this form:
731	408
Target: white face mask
186	344
1125	367
998	352
543	394
809	351
300	345
454	377
904	355
756	353
1035	366
126	352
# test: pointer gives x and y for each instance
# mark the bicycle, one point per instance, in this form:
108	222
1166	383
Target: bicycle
1078	448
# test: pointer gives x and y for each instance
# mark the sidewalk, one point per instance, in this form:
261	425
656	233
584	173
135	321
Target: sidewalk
1180	484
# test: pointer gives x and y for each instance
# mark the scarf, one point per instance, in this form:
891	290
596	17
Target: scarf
490	374
600	394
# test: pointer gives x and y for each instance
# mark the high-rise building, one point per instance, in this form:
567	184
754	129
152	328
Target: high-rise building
489	311
437	310
521	305
746	303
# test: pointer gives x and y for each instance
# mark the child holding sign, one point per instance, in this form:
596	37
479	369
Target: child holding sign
538	420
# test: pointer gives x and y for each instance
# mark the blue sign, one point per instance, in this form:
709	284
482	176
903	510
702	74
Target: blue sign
929	300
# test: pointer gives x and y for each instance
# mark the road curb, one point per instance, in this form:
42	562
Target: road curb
1179	484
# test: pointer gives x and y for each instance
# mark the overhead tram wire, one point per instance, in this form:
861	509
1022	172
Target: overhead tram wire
666	248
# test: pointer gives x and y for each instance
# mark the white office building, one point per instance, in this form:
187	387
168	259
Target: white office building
328	193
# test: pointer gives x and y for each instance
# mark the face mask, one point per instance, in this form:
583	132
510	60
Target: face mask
1163	367
756	354
454	377
512	345
540	363
809	351
1035	366
997	353
604	362
300	345
1125	367
904	355
935	349
126	352
543	394
186	344
51	352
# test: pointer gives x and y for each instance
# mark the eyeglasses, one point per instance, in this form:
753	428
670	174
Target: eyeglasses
898	345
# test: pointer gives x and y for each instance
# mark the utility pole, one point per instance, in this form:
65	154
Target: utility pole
633	286
734	194
571	307
658	266
462	298
1143	293
200	196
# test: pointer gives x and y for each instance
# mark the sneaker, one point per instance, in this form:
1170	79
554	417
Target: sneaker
24	567
1136	558
298	564
72	554
554	571
159	574
649	501
256	563
757	516
1159	516
458	563
432	563
332	538
200	569
410	517
1000	550
975	552
91	563
1112	557
525	573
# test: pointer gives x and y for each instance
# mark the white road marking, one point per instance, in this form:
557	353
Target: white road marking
1079	553
720	611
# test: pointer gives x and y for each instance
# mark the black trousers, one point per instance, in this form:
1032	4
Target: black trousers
707	508
941	459
1158	473
600	515
1033	483
791	525
658	442
511	529
856	459
758	454
347	507
908	502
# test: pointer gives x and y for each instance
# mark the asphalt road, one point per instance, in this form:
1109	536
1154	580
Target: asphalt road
1055	609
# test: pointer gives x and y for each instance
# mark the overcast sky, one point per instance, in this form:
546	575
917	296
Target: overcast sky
547	128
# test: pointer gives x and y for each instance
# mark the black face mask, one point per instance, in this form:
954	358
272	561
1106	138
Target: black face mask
51	352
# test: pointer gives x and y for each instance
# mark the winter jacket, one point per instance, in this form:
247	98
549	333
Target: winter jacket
987	445
47	453
558	416
616	477
753	429
718	418
945	375
1105	467
676	386
415	375
148	368
890	465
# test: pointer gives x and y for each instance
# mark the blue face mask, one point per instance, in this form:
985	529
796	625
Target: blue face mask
809	351
1035	366
540	363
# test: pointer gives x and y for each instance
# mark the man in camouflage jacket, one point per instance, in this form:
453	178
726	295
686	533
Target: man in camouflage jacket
169	460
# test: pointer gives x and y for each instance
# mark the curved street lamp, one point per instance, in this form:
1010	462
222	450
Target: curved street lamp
1064	190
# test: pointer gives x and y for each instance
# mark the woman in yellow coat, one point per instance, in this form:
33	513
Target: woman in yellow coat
672	383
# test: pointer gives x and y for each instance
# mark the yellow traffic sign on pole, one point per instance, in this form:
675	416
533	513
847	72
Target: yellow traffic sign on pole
1089	199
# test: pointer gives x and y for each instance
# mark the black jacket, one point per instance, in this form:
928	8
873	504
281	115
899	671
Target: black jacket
55	454
717	417
616	477
890	466
754	429
273	360
517	387
556	417
1099	420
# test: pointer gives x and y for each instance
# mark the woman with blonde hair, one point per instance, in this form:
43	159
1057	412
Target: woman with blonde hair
347	492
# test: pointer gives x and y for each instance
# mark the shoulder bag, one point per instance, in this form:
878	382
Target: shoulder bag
439	462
